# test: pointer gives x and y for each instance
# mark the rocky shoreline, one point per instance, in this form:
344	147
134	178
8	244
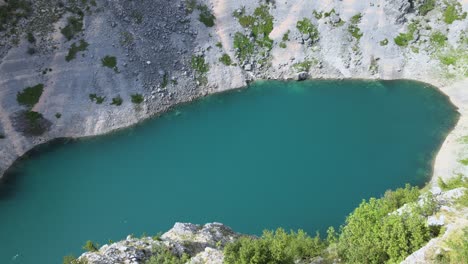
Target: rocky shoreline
168	53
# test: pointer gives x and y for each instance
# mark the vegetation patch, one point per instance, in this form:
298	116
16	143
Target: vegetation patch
137	98
74	49
161	255
306	27
13	11
30	95
304	66
110	62
454	11
97	99
453	183
31	123
244	47
384	42
90	246
198	64
373	233
58	115
403	39
74	26
225	59
260	23
206	17
438	39
426	7
117	101
353	29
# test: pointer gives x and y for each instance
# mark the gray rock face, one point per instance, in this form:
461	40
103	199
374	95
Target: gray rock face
397	9
203	243
302	76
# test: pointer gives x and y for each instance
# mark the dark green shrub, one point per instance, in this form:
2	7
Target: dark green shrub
199	65
98	99
225	59
109	61
306	27
206	17
244	47
30	95
74	26
426	7
117	101
137	98
74	49
30	37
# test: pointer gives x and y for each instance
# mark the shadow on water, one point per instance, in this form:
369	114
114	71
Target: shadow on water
11	178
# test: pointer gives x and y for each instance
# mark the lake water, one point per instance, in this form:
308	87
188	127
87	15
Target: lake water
278	154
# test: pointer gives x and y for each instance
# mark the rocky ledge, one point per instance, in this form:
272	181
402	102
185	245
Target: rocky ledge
203	244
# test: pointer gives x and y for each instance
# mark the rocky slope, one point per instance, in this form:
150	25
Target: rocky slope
170	52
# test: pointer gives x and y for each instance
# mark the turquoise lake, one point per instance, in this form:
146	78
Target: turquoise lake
298	155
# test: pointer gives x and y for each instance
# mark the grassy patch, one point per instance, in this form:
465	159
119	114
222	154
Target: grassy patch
426	7
30	95
199	65
260	23
403	39
453	12
303	66
453	183
225	59
97	99
117	101
384	42
206	17
90	246
438	39
74	26
110	62
74	49
244	47
137	98
13	11
306	27
353	29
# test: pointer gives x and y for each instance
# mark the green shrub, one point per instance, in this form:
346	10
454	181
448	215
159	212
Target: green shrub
306	27
161	255
199	65
274	247
353	29
286	36
448	59
117	101
74	49
373	234
438	39
30	95
318	15
109	61
70	259
225	59
403	39
137	98
453	12
283	45
303	66
98	99
260	23
384	42
219	45
453	183
74	26
90	246
206	17
30	37
426	7
58	115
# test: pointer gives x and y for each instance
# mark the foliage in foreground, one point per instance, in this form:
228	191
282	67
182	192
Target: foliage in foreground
373	233
164	256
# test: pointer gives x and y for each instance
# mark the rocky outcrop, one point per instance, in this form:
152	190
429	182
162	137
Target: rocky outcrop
202	243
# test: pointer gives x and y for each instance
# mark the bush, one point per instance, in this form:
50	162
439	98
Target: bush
306	27
260	23
426	7
30	37
137	98
74	49
225	59
30	95
109	61
199	65
90	246
403	39
117	101
74	26
274	247
438	39
162	255
454	12
384	42
244	47
453	183
98	99
206	17
373	233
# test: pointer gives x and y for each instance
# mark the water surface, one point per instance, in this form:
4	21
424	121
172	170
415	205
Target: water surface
295	155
